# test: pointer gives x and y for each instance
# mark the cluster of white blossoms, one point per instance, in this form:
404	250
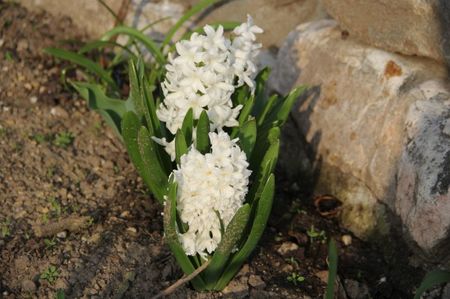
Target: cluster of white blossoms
210	186
203	75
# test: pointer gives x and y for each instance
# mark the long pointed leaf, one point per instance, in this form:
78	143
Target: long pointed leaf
244	115
233	234
130	131
332	269
260	80
180	145
187	126
111	109
171	236
157	174
267	108
259	223
202	142
431	280
139	36
247	137
83	61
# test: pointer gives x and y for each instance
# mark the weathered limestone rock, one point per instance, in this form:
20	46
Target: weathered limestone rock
423	197
276	17
361	120
412	27
93	17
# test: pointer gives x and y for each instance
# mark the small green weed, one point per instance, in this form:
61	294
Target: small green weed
295	278
39	138
50	243
55	207
50	274
292	260
8	56
5	228
63	139
315	234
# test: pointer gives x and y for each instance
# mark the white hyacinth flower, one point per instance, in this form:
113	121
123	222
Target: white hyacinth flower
205	72
211	188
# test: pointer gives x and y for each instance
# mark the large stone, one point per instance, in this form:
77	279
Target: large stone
95	19
412	27
360	120
276	17
423	181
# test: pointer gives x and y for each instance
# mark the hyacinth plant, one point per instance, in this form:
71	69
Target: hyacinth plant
202	136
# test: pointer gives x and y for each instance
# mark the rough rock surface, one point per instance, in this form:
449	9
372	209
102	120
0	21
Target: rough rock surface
423	197
360	121
412	27
276	17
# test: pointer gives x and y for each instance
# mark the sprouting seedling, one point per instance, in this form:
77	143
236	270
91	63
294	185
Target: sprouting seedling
313	234
55	206
292	260
5	228
295	278
50	274
49	243
63	139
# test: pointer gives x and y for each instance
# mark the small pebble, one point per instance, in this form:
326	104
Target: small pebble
287	247
132	230
256	282
58	111
346	239
125	214
62	235
33	99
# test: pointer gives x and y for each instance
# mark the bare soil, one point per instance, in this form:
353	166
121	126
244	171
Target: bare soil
75	217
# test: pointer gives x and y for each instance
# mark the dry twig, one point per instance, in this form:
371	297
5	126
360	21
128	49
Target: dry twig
181	281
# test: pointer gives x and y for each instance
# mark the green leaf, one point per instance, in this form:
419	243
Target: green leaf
188	126
84	62
180	145
431	280
200	6
259	223
288	103
149	103
243	116
332	269
260	179
130	131
240	95
99	44
149	44
260	81
233	234
149	155
111	109
247	137
281	111
171	236
266	148
135	93
203	144
267	108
